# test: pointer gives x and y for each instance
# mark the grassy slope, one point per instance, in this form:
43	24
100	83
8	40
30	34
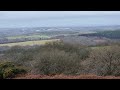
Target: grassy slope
30	43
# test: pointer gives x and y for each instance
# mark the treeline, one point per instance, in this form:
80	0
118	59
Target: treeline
108	34
53	34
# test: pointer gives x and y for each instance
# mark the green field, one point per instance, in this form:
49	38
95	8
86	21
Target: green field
29	43
29	36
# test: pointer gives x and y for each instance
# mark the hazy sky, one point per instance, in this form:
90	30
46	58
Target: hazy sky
58	18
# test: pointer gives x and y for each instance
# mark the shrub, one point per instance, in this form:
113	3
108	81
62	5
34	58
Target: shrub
6	65
9	70
8	73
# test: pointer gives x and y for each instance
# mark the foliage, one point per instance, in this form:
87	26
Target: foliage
9	70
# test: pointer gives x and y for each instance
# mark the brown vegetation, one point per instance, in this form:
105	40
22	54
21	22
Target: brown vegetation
60	60
89	76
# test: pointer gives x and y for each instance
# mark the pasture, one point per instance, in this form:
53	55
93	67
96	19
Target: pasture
29	43
28	36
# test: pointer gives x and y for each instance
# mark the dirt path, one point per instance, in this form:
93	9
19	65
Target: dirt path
29	76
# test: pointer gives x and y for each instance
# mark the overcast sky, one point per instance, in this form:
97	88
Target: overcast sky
58	18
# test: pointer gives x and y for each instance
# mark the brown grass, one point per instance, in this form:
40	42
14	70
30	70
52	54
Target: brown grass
90	76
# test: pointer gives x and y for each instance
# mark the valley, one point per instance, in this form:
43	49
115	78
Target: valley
55	52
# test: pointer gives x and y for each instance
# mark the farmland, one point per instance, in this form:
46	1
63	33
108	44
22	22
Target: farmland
29	43
29	36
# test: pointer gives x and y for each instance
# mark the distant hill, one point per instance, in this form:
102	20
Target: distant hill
115	34
4	32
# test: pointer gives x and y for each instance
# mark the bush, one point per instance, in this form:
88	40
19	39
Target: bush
8	73
9	70
6	65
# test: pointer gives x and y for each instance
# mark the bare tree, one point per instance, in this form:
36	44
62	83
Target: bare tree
104	61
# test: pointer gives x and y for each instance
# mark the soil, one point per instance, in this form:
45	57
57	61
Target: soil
31	76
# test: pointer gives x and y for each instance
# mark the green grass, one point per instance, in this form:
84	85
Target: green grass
31	36
86	32
30	43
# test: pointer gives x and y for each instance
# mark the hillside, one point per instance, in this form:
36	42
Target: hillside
52	54
60	60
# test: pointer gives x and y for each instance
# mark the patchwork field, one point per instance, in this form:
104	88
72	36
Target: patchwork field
29	43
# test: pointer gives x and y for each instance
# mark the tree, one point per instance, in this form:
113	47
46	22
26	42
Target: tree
105	61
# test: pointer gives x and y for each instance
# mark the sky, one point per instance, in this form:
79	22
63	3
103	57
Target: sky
11	19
